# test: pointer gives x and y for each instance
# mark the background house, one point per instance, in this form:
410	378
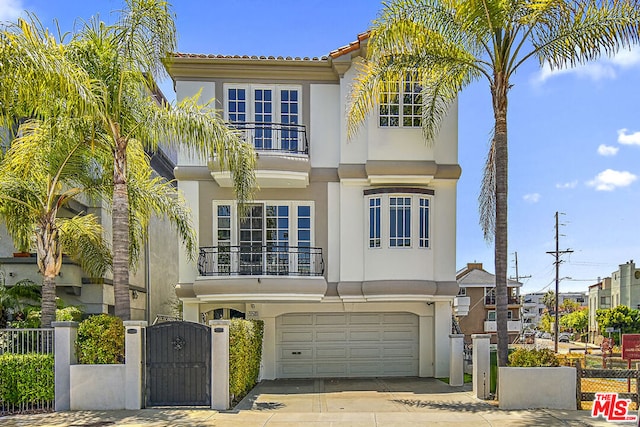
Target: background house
347	252
479	286
622	288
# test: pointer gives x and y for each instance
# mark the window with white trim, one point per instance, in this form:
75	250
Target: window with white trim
401	104
268	115
399	221
396	220
462	292
491	315
374	222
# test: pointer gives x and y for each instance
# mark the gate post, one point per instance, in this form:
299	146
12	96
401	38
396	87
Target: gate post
481	366
133	359
456	359
219	364
65	356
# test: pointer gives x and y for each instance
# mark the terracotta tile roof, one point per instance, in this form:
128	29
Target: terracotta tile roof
280	58
354	45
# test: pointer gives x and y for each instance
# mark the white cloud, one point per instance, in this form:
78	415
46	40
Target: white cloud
604	68
609	180
567	185
607	150
10	9
532	198
628	139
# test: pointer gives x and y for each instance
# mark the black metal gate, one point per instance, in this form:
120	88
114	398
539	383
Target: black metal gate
178	364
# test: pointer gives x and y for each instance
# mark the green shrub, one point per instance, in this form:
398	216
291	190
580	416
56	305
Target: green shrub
26	378
100	340
245	354
525	358
69	314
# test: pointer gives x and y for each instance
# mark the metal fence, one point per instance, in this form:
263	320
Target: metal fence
26	371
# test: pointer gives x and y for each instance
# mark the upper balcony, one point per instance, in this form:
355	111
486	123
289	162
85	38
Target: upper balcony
282	155
253	273
257	260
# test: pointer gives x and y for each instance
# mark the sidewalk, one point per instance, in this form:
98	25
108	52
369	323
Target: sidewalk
375	402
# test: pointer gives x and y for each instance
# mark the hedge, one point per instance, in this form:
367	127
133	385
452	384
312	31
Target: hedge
527	358
100	340
245	354
26	378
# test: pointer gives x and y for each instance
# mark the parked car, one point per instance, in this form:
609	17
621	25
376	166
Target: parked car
564	338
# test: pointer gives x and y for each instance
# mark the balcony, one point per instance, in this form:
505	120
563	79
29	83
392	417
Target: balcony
269	260
283	155
491	300
512	326
275	137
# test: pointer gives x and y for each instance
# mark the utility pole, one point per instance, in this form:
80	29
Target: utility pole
557	254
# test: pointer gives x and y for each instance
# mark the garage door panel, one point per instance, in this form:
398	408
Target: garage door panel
365	352
405	351
296	337
331	319
331	336
296	353
359	335
403	335
296	370
347	345
364	318
331	353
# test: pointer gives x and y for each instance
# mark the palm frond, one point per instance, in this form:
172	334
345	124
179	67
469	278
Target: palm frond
82	238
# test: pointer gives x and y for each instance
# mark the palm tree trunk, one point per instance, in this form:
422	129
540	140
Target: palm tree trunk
120	225
499	95
49	262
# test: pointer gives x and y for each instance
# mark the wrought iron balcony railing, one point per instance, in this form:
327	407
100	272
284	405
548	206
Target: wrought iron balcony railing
276	137
491	300
268	260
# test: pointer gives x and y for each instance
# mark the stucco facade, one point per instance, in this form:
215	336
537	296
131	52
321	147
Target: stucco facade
348	252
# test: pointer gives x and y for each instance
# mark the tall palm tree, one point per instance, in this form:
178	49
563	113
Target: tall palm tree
110	83
452	43
48	166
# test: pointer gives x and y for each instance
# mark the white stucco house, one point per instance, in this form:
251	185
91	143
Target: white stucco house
348	251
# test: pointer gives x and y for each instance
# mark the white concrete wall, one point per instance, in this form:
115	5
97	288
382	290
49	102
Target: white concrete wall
352	150
188	270
443	230
324	126
333	232
550	388
352	235
97	387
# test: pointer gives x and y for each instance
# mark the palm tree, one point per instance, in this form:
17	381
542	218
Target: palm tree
120	63
16	298
49	165
449	44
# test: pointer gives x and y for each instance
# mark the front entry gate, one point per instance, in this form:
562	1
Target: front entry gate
178	364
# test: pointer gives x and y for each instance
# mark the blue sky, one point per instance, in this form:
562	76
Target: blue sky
574	135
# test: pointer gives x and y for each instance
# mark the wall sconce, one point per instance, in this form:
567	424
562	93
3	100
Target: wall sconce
134	294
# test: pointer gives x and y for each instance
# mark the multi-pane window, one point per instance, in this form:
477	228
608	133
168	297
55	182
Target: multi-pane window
224	238
401	104
399	221
263	113
491	315
288	117
277	239
374	222
304	239
237	105
269	115
423	237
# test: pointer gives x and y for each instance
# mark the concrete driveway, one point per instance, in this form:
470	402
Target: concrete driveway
377	402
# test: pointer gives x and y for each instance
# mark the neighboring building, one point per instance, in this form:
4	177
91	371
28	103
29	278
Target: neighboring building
533	307
479	286
155	275
347	252
622	288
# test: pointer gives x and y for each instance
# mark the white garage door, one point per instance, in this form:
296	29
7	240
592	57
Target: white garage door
347	345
